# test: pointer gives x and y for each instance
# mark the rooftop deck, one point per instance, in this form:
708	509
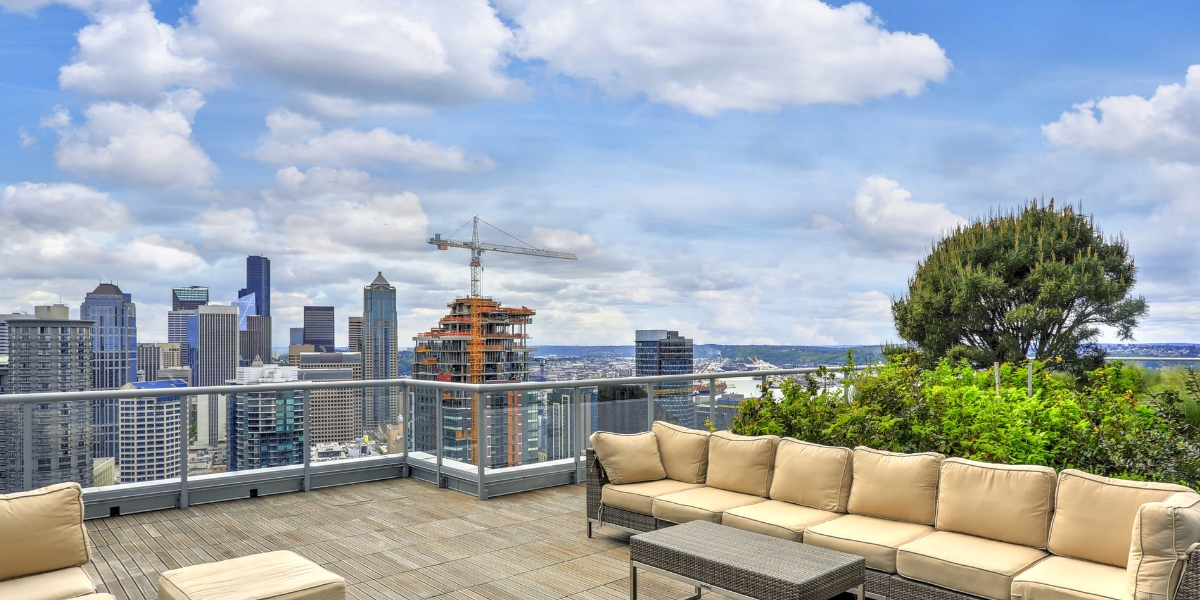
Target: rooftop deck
399	538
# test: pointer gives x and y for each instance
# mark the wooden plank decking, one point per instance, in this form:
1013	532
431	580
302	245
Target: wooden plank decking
398	538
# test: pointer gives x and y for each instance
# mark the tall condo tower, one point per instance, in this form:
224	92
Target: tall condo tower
62	445
184	302
114	359
662	352
213	346
258	282
266	429
150	433
318	327
354	327
256	329
336	414
381	358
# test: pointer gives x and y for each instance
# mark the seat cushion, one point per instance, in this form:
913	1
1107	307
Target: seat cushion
639	497
281	574
1162	533
628	457
1007	503
780	519
873	539
96	597
965	563
700	504
42	530
55	585
890	485
1061	578
812	475
1093	515
684	452
740	463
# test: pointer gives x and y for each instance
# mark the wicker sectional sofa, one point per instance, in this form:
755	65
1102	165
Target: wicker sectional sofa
930	527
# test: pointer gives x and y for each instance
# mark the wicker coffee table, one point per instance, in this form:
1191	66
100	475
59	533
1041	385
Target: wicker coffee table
744	564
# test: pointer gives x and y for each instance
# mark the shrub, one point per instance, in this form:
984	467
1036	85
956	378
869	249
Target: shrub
1105	423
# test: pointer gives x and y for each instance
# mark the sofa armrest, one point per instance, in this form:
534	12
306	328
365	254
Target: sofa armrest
1164	537
596	479
1189	581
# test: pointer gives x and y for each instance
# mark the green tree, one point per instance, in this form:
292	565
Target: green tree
1037	278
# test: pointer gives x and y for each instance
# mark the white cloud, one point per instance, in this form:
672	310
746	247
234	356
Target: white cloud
885	216
296	140
387	52
563	240
24	139
156	253
709	56
61	207
133	144
1165	126
129	54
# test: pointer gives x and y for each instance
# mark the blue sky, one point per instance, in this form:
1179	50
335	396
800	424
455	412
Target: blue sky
746	172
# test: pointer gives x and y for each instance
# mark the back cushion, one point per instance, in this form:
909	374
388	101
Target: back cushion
628	458
1093	516
812	475
684	452
1008	503
740	463
890	485
42	531
1162	533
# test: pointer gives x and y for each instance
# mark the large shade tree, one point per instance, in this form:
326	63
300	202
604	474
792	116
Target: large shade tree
1037	279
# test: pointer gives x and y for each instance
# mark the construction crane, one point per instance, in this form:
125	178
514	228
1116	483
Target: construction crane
477	249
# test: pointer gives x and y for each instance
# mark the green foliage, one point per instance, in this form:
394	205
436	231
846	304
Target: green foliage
1177	387
799	355
1104	423
1039	278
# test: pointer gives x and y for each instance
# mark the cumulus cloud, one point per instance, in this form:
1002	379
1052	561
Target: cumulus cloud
563	240
886	217
387	52
61	207
131	143
1165	126
711	56
295	140
25	139
129	54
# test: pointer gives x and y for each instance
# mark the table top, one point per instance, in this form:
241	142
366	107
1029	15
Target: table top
752	553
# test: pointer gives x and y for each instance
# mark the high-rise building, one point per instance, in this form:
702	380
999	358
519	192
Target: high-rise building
254	331
480	341
213	346
189	298
149	433
335	415
266	429
177	326
318	327
558	426
662	352
171	355
149	361
381	358
295	336
114	359
48	353
355	329
258	282
184	302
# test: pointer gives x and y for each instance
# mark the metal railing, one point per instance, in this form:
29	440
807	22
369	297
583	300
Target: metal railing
479	479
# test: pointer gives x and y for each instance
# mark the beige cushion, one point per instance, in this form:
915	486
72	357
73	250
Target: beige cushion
639	497
1093	515
889	485
812	475
55	585
282	575
965	563
96	597
700	504
780	519
1008	503
1061	578
42	530
740	463
1162	533
873	539
684	452
628	458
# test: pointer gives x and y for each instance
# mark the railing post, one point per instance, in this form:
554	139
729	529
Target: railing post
438	433
405	428
185	409
712	401
304	401
997	378
577	425
482	453
27	424
649	406
1029	382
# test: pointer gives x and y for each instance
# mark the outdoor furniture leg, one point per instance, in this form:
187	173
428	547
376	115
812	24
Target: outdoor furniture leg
861	593
632	582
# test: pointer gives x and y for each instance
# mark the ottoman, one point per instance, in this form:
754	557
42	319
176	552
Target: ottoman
282	575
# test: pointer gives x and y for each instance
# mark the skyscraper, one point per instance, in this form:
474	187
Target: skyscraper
258	282
114	359
62	444
213	345
149	361
662	352
318	327
149	433
254	331
335	415
295	336
266	429
184	302
355	329
381	359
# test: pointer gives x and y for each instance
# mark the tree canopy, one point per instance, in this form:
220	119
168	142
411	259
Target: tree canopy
1038	278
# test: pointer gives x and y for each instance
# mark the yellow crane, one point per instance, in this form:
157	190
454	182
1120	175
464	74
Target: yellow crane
477	249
